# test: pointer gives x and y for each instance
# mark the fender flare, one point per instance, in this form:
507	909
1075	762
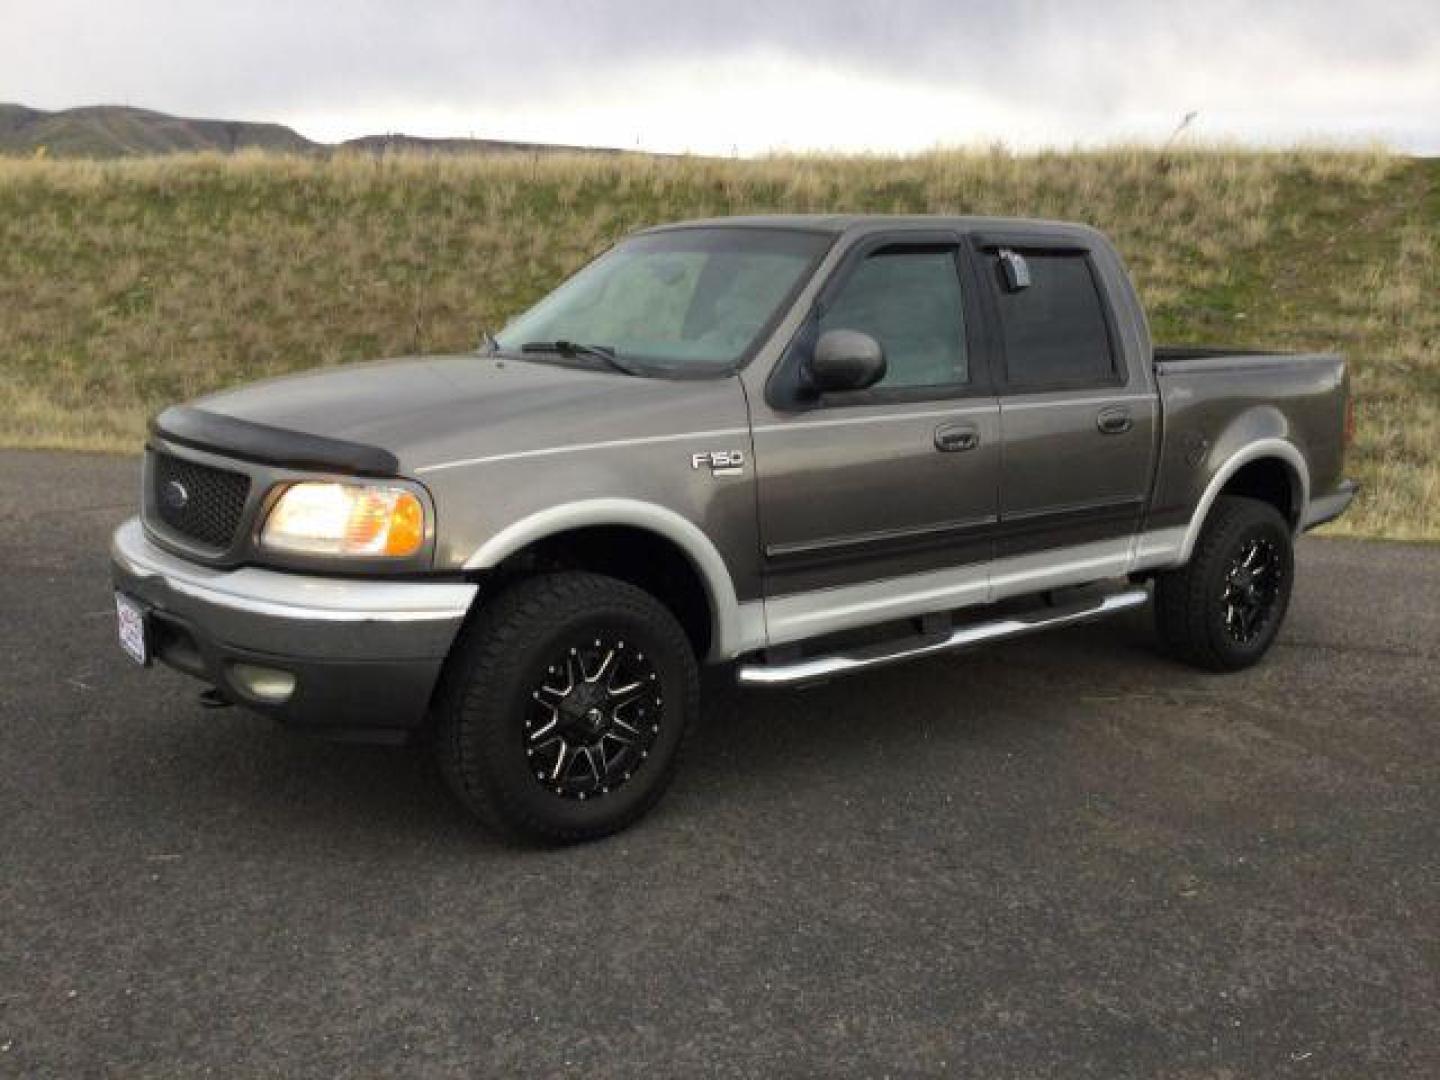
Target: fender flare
734	627
1259	450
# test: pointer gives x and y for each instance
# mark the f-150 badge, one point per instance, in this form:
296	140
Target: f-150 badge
720	462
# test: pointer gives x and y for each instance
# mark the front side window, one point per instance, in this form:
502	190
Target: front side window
687	298
908	299
1054	330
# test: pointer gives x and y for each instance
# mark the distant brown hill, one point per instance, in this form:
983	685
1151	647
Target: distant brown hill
105	131
379	144
110	131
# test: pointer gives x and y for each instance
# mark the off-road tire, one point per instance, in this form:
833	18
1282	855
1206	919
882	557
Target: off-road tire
487	686
1190	605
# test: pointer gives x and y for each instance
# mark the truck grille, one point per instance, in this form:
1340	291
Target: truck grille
199	501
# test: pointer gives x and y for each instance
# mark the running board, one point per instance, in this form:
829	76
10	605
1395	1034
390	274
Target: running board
814	668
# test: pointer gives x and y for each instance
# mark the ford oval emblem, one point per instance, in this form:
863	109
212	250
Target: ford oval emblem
175	495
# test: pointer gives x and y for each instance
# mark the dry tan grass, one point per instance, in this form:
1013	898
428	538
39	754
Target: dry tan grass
127	285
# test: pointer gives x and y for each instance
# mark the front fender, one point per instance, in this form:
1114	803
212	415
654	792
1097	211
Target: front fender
735	627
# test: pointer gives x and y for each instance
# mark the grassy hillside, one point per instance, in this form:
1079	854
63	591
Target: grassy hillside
128	285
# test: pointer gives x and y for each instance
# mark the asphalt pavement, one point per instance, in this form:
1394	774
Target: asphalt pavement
1064	856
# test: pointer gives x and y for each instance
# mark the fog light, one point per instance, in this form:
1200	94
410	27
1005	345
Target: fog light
269	685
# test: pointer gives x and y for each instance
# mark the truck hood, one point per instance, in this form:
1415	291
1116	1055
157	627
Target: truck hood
422	411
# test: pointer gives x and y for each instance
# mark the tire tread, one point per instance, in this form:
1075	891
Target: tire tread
499	630
1182	604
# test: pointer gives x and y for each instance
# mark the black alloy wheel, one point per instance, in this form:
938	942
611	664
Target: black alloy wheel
596	713
1252	585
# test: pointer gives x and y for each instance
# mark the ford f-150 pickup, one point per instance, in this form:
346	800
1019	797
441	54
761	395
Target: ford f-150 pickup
803	446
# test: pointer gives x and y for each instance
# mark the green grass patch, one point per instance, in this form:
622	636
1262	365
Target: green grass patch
128	285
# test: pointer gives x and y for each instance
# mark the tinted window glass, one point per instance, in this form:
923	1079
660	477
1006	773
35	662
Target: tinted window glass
1055	331
909	301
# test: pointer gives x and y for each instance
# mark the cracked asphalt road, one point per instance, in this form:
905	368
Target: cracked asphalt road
1059	857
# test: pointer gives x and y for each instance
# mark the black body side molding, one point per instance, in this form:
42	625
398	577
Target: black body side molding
268	445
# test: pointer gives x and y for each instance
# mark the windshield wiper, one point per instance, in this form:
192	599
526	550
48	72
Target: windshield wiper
574	348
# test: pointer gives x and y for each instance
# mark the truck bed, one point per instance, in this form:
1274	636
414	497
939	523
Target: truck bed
1217	401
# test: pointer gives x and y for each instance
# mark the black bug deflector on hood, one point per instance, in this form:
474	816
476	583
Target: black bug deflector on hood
250	441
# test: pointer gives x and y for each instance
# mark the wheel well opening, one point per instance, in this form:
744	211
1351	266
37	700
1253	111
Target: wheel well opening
644	559
1269	480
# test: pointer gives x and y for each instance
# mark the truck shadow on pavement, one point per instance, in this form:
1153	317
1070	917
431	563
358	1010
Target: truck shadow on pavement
1007	693
207	767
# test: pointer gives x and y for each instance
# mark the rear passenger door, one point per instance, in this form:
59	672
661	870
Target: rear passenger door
1077	426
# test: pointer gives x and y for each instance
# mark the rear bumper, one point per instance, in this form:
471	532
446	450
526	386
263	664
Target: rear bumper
364	654
1329	507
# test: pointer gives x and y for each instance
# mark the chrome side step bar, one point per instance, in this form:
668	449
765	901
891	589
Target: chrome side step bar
816	668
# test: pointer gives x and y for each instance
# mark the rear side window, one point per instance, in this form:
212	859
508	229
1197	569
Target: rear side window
907	299
1054	331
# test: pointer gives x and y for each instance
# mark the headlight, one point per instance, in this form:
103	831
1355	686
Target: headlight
345	519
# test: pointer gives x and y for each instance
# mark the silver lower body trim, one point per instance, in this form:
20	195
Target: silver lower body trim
798	616
1329	507
872	656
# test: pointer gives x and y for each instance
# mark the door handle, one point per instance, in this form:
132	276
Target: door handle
1115	421
952	438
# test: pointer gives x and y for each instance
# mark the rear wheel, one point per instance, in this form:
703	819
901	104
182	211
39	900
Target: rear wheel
1222	610
565	707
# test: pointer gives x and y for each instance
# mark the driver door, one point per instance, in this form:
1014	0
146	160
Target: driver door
882	502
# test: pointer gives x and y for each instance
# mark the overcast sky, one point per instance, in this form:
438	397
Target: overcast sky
750	75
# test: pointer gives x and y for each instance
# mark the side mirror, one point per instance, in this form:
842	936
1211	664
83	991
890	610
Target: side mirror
846	360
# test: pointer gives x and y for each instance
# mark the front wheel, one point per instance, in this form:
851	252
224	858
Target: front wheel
1222	610
565	707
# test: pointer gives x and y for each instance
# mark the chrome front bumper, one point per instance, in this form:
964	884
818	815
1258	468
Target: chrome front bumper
365	653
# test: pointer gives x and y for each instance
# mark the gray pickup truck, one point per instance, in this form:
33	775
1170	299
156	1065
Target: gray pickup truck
804	446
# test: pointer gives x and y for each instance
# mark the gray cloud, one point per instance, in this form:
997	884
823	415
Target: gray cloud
1086	65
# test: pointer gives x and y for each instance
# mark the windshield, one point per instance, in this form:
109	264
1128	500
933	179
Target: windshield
687	298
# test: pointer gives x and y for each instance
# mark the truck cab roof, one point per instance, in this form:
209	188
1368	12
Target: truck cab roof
861	224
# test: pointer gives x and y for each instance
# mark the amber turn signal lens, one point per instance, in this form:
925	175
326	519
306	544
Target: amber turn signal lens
407	526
